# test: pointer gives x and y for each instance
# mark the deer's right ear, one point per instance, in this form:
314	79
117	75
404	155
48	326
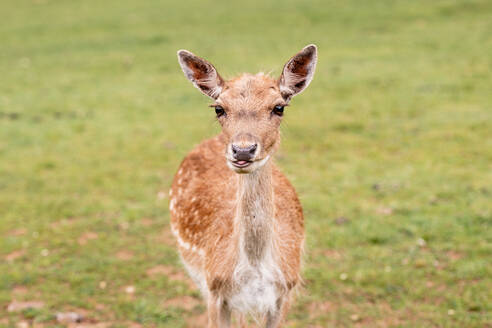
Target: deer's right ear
201	73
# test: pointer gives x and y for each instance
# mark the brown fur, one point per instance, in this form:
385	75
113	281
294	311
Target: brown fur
208	219
214	207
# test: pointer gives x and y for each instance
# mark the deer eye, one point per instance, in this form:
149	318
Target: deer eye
219	111
278	110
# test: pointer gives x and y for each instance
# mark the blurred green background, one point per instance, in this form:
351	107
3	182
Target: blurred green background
390	149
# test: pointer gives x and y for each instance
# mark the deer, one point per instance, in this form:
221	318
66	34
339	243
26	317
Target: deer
238	221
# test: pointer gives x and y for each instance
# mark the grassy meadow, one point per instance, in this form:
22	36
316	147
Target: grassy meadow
390	150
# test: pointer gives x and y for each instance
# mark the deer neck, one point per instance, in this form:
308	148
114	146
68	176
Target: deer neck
255	212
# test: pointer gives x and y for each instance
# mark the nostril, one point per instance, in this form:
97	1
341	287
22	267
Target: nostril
244	153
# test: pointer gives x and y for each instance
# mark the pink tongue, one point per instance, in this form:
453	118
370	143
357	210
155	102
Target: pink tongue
241	162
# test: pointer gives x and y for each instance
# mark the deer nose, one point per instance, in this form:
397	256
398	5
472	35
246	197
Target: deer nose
244	153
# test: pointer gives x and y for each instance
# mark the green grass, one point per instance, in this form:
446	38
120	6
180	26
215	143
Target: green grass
390	149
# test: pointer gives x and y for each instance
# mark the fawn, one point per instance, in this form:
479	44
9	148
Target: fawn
237	219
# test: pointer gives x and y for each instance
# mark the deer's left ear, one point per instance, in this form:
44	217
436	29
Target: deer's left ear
298	72
201	73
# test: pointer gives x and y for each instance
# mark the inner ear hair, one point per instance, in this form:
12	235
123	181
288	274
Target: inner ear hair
201	73
298	72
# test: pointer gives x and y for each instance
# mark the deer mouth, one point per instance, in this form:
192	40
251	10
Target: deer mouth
241	164
246	166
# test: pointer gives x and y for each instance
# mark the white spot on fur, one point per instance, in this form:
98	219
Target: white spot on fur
184	244
172	203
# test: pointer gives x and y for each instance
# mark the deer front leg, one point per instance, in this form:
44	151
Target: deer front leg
219	313
276	319
242	322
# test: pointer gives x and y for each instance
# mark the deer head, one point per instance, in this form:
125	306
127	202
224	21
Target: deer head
250	107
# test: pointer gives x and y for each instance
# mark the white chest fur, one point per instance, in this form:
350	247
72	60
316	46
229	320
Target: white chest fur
258	286
258	282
